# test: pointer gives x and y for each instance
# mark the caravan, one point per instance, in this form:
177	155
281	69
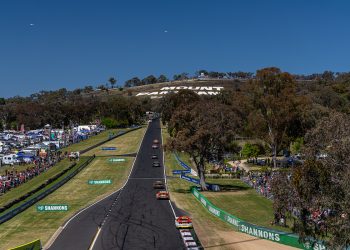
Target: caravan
10	159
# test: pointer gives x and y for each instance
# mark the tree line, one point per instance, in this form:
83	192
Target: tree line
312	117
65	108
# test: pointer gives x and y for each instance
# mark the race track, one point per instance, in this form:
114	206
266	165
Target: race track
131	218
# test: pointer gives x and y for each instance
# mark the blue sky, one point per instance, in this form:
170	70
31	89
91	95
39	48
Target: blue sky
73	43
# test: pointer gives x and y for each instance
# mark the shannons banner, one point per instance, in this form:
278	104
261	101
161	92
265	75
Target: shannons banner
34	245
260	232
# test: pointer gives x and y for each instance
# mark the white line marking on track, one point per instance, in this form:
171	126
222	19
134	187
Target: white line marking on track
121	189
59	230
95	238
165	177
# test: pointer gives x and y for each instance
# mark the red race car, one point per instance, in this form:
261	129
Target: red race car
183	222
162	195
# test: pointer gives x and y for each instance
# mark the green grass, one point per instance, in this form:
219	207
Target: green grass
76	193
92	140
125	144
34	183
79	163
241	201
38	180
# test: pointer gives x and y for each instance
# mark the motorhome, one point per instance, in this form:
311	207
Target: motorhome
10	159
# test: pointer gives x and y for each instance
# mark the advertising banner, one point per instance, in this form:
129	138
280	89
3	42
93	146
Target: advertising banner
181	171
51	208
251	229
99	182
109	148
116	160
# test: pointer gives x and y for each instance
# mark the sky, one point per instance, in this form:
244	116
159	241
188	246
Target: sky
53	44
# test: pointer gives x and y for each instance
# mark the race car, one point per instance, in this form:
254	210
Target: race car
155	141
156	164
183	222
154	146
158	185
162	195
154	156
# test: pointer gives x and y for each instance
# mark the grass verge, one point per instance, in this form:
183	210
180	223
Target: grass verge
125	144
220	235
76	193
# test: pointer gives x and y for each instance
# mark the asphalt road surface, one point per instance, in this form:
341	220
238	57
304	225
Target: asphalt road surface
129	219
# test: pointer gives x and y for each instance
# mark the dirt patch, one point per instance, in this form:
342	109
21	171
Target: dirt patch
229	240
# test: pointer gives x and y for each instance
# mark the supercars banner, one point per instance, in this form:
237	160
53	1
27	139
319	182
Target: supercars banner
260	232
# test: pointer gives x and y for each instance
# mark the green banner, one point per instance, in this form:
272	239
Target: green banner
116	160
51	208
251	229
99	182
34	245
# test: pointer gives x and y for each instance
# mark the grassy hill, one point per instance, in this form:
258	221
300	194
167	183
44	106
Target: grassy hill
133	91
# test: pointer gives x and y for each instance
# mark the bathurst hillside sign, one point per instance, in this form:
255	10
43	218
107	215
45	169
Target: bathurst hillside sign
200	90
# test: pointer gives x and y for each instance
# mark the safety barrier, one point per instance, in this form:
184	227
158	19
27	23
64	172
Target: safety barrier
280	237
188	169
34	245
12	213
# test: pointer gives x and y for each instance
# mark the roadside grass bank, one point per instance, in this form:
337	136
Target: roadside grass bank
76	193
124	144
93	140
26	197
62	166
212	232
32	184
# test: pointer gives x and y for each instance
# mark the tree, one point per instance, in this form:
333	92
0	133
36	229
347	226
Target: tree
149	80
180	77
112	81
162	78
133	82
250	150
200	72
173	101
274	106
204	129
214	74
297	145
319	189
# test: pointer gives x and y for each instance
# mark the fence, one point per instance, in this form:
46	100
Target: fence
280	237
251	229
12	213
